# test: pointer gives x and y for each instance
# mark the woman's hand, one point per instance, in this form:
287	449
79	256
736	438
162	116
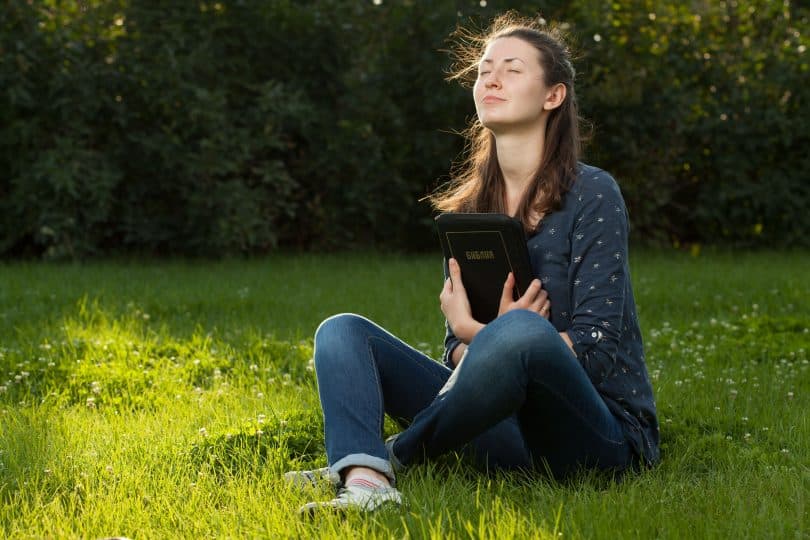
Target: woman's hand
534	299
456	306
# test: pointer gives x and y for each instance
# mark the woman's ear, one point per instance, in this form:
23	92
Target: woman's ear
555	97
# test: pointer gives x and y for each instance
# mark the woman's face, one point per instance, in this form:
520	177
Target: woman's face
510	92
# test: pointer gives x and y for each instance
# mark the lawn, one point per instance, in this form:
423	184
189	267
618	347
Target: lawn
165	400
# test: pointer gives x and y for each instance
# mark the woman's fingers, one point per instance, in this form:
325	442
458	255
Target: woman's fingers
507	295
539	300
532	292
536	299
455	274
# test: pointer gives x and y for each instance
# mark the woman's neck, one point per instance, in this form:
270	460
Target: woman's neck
519	156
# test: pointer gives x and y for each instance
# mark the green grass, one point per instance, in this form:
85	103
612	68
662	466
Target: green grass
165	399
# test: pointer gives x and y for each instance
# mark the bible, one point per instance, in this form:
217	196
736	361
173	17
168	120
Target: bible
487	247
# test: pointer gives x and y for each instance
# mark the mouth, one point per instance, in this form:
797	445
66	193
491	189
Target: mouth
492	99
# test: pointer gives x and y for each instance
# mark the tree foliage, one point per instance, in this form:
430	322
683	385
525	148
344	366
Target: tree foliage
239	127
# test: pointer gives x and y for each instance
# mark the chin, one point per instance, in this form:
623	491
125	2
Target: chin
496	125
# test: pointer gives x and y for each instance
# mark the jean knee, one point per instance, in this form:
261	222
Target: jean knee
334	332
525	328
521	332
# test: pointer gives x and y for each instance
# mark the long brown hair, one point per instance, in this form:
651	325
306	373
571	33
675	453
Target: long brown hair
477	183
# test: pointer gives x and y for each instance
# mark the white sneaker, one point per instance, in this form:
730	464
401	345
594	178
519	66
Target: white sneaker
305	479
356	498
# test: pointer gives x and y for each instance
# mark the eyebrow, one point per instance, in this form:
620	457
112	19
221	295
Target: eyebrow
489	60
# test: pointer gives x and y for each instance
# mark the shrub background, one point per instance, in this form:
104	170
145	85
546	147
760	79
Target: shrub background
213	128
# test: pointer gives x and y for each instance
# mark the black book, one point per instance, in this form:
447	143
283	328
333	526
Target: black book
487	247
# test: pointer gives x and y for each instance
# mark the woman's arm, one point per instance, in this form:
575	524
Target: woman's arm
597	275
460	324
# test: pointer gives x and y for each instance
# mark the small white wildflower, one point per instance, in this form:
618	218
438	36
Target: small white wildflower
203	432
254	367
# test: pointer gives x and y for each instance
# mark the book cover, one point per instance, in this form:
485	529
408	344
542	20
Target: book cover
487	247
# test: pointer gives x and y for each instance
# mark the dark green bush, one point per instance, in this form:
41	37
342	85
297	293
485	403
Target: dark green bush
238	127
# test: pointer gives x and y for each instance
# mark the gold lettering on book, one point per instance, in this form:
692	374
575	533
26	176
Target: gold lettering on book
480	255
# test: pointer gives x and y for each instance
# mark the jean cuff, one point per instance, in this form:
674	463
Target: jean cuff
363	460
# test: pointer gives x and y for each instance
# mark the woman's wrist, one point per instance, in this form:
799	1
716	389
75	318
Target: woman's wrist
458	352
468	331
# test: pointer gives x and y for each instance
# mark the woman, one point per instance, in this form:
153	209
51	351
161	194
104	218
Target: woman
557	382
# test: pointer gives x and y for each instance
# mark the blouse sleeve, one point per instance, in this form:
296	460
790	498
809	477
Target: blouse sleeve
450	344
450	339
597	274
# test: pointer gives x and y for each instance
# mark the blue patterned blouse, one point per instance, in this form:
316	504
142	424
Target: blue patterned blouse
579	252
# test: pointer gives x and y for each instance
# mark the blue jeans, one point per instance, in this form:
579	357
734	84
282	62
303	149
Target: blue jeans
519	400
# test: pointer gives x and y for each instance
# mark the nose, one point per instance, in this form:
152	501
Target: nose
492	80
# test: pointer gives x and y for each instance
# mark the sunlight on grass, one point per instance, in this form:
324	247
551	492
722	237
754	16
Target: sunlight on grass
167	400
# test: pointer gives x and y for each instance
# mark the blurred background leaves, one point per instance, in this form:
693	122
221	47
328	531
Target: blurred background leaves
240	127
